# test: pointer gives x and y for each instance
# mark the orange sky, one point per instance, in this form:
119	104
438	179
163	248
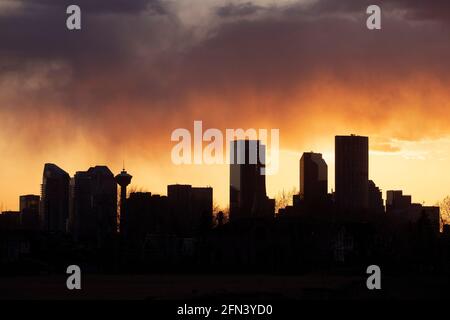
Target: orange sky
412	162
117	89
419	169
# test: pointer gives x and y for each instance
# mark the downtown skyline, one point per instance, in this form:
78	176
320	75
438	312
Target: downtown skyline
308	68
293	172
89	200
220	157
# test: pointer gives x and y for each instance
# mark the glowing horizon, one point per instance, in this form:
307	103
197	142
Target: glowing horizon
138	70
389	170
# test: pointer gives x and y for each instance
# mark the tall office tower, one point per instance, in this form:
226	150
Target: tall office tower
180	208
54	208
396	201
146	214
190	209
352	173
202	205
94	205
375	199
29	211
104	200
248	197
9	220
313	179
400	208
123	179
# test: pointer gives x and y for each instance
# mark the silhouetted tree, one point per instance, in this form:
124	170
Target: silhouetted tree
220	218
216	210
284	198
134	189
444	206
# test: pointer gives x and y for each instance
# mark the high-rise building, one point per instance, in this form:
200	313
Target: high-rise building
190	208
248	197
202	204
400	208
123	179
94	211
54	208
313	178
9	220
375	199
146	214
396	201
29	211
351	173
433	215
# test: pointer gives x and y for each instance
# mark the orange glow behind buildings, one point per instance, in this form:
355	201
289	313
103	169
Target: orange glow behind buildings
108	95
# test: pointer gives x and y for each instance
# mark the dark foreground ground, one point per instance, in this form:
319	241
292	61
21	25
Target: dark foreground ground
222	287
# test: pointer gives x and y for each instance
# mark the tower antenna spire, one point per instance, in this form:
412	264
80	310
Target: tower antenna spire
123	179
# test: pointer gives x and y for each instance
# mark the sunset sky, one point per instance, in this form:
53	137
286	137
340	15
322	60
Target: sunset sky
139	69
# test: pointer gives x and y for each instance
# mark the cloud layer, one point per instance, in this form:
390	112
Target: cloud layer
139	69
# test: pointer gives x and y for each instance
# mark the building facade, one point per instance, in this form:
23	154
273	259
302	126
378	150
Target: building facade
94	205
29	211
248	197
351	173
54	207
313	178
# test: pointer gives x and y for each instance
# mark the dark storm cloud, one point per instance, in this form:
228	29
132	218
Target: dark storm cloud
37	28
145	62
277	41
103	6
436	10
330	6
35	35
425	10
238	10
278	52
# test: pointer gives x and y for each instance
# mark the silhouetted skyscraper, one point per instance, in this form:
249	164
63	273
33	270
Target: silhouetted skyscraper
375	199
400	208
123	179
397	201
54	209
248	197
352	173
190	208
9	220
29	211
313	178
202	206
95	204
146	214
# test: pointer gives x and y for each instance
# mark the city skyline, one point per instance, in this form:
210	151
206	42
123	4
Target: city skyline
275	184
328	171
310	68
218	157
88	208
77	219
